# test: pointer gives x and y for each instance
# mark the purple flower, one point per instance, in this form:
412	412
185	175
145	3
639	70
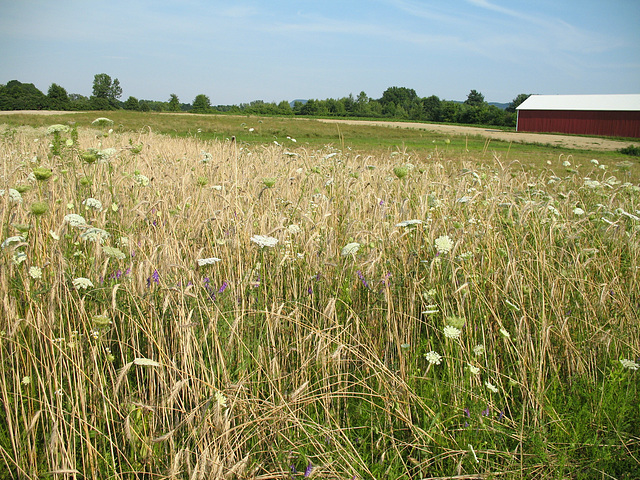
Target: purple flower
485	412
467	412
501	415
307	472
293	469
156	276
223	287
361	276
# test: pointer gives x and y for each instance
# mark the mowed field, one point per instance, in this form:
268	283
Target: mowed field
313	300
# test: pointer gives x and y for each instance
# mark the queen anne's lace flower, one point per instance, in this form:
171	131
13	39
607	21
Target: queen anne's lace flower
11	240
94	234
35	272
114	252
82	282
409	223
630	364
14	195
491	386
452	332
350	249
444	244
208	261
264	241
92	203
141	179
75	220
434	358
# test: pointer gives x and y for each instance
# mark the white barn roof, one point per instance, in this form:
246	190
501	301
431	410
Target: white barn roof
582	102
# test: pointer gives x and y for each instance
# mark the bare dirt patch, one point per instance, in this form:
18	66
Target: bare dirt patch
566	141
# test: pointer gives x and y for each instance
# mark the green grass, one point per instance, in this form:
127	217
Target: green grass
279	357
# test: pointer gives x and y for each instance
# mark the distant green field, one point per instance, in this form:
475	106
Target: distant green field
373	140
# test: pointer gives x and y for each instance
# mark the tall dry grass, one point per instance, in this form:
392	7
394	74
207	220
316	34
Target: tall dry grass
297	360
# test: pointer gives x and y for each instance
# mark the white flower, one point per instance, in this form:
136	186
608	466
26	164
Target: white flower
350	249
434	358
35	272
473	370
75	220
595	162
478	350
207	261
141	180
264	241
553	210
114	252
452	332
221	400
14	195
102	121
94	234
505	333
82	282
92	203
206	156
26	380
57	128
578	211
443	244
591	183
566	163
409	223
630	364
293	229
54	235
19	257
491	386
11	240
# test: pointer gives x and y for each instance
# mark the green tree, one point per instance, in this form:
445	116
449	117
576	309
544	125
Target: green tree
201	104
515	103
132	103
106	92
431	108
16	95
475	98
58	97
399	97
174	103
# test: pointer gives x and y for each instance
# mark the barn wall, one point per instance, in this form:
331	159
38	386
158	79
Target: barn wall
614	124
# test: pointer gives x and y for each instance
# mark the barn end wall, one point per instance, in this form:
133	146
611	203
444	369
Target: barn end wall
611	124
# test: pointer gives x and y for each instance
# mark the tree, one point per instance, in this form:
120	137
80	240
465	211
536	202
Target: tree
399	97
515	103
431	108
201	104
58	97
132	103
475	98
16	95
174	103
106	92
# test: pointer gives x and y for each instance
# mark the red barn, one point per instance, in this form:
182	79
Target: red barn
606	115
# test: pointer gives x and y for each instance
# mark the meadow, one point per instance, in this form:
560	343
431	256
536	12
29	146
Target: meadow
338	304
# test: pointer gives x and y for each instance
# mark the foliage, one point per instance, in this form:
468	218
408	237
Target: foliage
516	102
58	97
106	92
201	104
474	99
631	150
21	96
173	104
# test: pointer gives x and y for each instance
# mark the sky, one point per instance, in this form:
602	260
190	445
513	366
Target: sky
238	51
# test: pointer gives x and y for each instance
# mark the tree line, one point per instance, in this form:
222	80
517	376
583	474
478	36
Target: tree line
396	103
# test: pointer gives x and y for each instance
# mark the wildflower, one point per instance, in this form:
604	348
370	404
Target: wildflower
114	252
434	358
208	261
264	241
443	244
505	333
11	240
206	156
452	332
293	229
92	203
221	400
82	282
102	122
54	235
401	172
94	234
491	386
42	173
35	272
409	223
19	257
57	128
14	195
74	219
58	392
566	163
455	321
578	211
307	472
430	310
595	162
141	179
591	183
478	350
553	210
473	370
629	364
39	208
26	380
114	207
350	249
269	182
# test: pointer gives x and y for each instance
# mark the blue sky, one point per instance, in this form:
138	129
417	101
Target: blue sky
236	51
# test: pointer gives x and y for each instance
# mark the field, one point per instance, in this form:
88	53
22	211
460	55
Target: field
313	301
